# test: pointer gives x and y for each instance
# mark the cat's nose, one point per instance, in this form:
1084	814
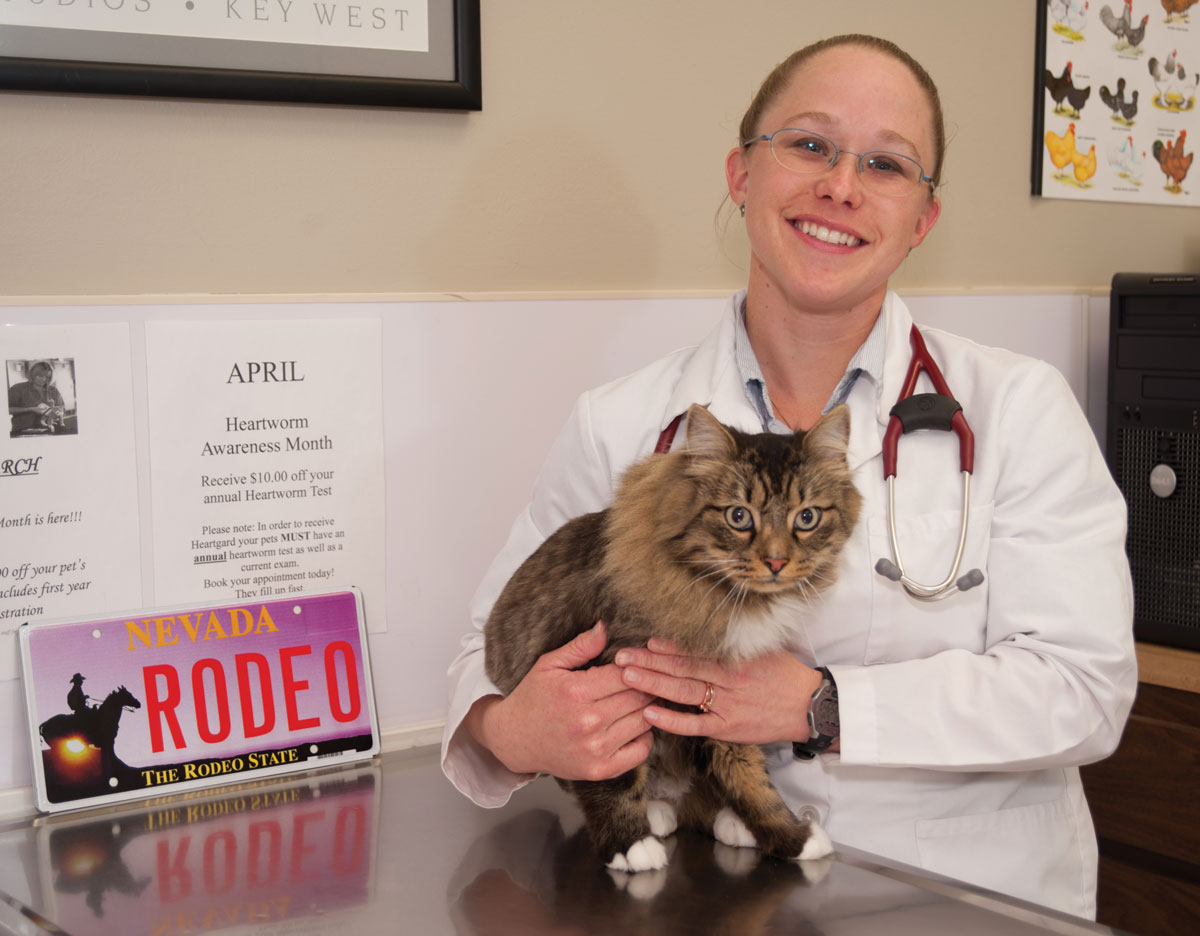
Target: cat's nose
775	565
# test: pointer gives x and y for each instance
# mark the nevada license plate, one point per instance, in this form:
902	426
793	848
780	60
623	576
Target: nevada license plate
170	699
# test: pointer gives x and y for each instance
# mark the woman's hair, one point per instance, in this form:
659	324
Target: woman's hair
41	366
782	73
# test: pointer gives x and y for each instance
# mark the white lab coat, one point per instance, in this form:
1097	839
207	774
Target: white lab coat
964	720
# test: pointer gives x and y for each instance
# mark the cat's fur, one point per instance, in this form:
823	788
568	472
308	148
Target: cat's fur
667	559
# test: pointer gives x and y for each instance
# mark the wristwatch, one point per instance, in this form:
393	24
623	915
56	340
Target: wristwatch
824	725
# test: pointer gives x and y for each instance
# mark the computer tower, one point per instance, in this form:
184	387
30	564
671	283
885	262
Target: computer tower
1153	446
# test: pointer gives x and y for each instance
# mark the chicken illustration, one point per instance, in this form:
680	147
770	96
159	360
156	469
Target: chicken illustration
1135	34
1077	11
1077	97
1117	25
1085	166
1126	160
1177	9
1113	101
1122	26
1172	160
1070	16
1163	73
1123	111
1058	86
1061	147
1068	99
1176	88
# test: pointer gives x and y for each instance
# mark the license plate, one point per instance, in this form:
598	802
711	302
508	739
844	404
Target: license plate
154	702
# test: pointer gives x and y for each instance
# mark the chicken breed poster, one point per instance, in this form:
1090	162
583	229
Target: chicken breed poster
1117	89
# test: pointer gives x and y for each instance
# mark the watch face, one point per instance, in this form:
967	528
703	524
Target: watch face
826	716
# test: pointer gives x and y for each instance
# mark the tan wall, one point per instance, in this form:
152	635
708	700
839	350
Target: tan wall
595	166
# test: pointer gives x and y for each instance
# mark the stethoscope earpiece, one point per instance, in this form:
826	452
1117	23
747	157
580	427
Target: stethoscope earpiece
889	570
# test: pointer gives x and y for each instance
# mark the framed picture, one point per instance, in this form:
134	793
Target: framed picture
1115	94
419	53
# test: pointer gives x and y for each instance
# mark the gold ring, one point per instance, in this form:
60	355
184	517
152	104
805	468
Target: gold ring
709	693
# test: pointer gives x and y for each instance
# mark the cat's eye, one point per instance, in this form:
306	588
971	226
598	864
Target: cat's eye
739	518
808	519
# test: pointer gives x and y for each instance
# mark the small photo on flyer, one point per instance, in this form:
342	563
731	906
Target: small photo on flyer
41	398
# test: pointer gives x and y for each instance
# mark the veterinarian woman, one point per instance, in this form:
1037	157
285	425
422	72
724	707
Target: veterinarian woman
960	722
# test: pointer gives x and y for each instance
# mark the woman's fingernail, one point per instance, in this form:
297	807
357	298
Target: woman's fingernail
650	714
623	658
632	676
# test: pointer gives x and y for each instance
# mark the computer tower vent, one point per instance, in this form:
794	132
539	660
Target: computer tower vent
1159	473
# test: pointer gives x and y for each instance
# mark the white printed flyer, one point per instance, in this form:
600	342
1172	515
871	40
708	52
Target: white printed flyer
69	521
266	450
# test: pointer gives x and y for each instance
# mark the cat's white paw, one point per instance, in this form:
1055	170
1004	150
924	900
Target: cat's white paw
728	829
646	855
818	844
663	820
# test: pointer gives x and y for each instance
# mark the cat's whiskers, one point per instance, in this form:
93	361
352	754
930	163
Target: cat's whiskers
697	579
743	592
737	589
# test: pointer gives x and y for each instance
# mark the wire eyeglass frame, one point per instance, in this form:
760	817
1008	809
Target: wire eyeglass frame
871	181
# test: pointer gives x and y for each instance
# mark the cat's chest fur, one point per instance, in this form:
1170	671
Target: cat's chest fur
763	630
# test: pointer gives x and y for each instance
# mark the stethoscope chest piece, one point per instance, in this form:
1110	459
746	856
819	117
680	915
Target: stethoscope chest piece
914	412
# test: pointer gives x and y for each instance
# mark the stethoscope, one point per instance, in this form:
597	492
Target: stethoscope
913	411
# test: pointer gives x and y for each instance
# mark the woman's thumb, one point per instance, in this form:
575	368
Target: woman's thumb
582	649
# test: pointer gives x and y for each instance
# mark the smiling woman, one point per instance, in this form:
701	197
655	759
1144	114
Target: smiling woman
942	734
822	243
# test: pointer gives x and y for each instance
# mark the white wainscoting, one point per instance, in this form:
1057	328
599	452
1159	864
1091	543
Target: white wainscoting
474	393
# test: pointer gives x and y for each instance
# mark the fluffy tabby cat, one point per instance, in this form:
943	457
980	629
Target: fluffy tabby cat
714	546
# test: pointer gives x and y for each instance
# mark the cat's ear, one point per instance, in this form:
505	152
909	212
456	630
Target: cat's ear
706	437
829	436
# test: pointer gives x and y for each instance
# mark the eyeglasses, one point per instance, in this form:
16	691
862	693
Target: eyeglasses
881	172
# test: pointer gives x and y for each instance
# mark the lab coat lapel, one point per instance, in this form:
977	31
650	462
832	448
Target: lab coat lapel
711	379
870	406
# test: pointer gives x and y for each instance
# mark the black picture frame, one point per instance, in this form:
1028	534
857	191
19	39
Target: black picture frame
153	79
1039	97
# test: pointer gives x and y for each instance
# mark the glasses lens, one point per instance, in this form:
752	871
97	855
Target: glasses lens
890	173
882	172
802	150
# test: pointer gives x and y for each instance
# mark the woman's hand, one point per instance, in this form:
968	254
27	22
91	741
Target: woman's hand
756	702
574	724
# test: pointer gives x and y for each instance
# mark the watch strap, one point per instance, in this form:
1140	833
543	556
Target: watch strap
823	722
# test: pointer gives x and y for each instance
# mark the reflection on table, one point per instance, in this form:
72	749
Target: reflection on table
254	854
391	847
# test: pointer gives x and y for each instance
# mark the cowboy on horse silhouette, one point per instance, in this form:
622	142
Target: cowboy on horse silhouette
94	724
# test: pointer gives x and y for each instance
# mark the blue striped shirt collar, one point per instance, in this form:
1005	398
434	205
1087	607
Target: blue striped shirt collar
868	360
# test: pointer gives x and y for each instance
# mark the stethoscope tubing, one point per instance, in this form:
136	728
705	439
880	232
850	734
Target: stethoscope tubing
913	412
948	585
